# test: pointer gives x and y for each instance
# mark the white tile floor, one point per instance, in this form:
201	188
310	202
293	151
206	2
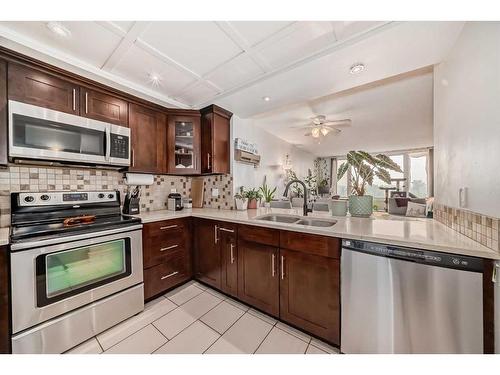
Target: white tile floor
196	319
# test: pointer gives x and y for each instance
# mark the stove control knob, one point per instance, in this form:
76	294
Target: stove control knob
111	196
100	195
44	197
29	198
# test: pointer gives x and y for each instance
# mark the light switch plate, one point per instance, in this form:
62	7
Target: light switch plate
215	193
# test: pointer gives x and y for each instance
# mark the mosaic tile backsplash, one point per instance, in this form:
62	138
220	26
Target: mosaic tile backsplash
154	197
481	228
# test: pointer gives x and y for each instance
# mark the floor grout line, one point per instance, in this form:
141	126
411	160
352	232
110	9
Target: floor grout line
242	315
255	351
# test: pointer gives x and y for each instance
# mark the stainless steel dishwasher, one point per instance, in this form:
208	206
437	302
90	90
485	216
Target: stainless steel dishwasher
402	300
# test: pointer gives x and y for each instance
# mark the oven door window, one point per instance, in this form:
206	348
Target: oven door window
66	273
42	134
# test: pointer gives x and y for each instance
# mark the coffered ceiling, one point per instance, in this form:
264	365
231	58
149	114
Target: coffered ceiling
233	64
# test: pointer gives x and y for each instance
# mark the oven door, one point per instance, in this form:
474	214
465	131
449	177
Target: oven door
49	281
41	133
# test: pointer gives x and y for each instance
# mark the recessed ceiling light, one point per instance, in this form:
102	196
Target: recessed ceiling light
266	98
59	29
357	68
154	79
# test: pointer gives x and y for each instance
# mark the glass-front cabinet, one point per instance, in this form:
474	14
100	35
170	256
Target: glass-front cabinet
184	144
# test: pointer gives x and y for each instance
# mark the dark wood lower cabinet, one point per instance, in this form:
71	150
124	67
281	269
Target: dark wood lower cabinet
207	254
229	261
173	271
258	281
309	293
4	301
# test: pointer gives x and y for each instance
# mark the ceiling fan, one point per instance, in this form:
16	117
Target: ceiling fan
320	126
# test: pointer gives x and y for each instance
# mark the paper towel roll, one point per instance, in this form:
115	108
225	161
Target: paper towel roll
138	179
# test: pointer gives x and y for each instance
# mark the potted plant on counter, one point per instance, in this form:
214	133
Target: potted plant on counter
364	167
253	196
267	194
240	200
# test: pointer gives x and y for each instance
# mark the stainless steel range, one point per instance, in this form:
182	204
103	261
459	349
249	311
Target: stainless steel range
76	268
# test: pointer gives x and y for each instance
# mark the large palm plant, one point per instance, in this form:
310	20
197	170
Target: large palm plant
364	167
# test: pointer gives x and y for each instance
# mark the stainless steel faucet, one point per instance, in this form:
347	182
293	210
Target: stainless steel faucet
285	194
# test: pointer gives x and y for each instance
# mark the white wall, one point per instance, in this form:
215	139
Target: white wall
467	120
272	151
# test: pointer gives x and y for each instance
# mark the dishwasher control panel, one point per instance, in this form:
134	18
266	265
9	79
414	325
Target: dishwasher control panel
428	257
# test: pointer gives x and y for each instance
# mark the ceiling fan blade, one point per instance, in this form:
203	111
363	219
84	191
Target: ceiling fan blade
345	122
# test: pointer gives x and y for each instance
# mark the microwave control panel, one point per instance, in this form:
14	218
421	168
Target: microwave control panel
119	147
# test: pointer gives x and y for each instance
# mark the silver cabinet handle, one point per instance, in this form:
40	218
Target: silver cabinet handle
86	102
208	161
282	267
169	275
216	239
133	157
168	247
74	99
226	230
168	227
273	265
231	246
494	275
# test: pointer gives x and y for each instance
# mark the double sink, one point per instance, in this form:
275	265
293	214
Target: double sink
299	220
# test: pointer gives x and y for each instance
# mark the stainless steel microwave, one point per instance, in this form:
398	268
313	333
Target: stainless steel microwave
44	134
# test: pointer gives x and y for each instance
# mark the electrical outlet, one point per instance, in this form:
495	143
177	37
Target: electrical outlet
462	197
215	193
173	190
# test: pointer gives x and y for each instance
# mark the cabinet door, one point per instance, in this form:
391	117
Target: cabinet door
103	107
258	283
34	87
3	113
216	140
310	294
148	132
4	301
229	253
207	255
184	144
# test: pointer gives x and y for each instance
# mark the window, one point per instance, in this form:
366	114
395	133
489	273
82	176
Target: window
414	166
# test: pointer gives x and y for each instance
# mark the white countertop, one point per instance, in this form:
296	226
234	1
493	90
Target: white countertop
418	233
4	236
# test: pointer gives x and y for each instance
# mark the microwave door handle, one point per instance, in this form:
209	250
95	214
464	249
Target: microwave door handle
108	143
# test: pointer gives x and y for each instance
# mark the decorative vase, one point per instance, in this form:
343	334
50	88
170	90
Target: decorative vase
339	207
241	203
361	205
252	203
267	204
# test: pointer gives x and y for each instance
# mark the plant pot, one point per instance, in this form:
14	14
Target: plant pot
252	203
361	205
241	203
339	207
267	204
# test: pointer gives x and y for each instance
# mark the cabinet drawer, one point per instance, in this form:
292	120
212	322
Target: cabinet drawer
165	227
310	243
260	235
166	275
155	249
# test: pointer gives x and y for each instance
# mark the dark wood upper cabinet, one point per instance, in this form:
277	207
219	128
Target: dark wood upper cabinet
184	144
3	113
310	293
229	254
258	281
45	90
103	107
148	130
215	140
207	254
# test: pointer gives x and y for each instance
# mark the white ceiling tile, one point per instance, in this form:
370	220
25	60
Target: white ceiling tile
125	26
346	29
199	46
196	94
256	31
237	71
136	65
89	41
306	39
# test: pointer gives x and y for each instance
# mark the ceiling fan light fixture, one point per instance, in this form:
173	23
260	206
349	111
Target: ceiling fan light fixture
325	131
315	132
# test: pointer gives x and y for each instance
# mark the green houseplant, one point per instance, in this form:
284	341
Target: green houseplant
267	193
240	199
253	196
364	167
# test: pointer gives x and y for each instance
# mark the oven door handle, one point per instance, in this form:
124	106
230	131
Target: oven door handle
38	244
